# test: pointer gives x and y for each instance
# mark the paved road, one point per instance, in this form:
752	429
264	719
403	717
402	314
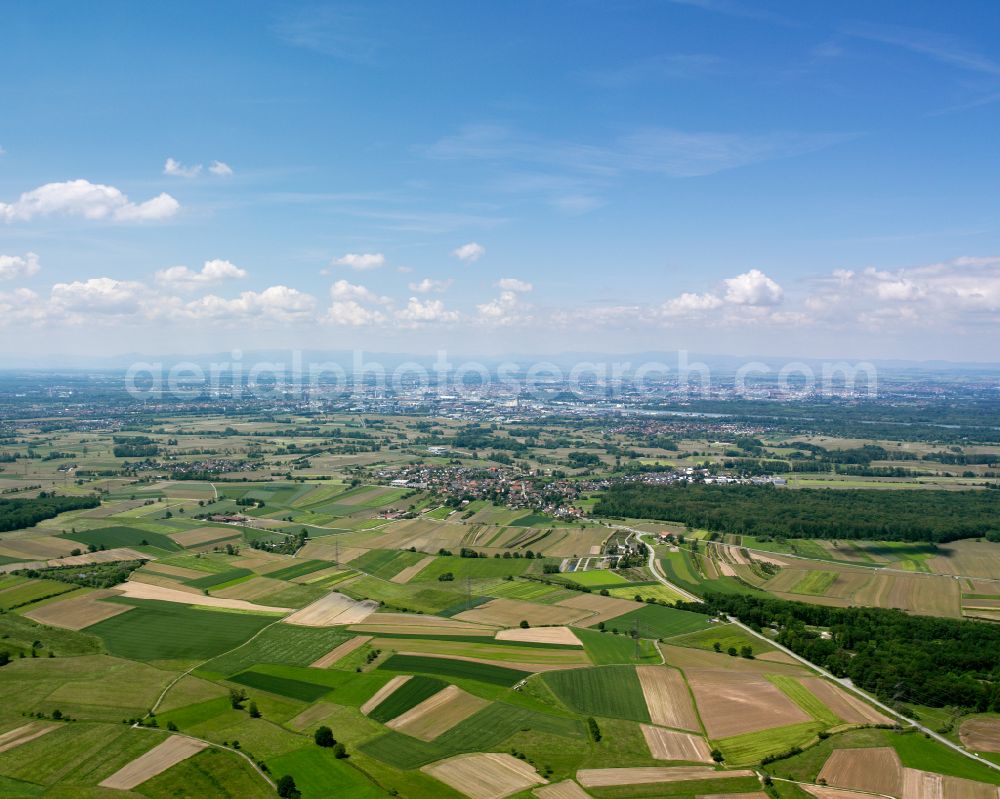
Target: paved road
846	683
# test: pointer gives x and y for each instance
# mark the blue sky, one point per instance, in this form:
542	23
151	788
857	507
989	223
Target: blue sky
718	175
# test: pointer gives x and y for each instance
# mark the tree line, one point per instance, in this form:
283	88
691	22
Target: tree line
872	514
18	513
897	657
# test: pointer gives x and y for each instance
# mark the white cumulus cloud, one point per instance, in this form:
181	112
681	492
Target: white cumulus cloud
752	288
213	272
419	312
428	285
178	170
513	284
220	168
82	198
13	266
469	252
360	261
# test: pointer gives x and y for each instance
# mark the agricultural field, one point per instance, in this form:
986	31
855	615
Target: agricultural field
227	619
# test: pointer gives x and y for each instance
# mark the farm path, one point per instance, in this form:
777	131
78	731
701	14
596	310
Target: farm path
846	683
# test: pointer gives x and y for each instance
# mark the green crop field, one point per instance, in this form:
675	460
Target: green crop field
805	699
607	649
407	696
283	686
752	746
209	773
283	644
402	751
726	635
219	578
476	568
598	577
28	590
299	569
165	630
659	622
612	691
316	769
487	730
447	667
111	537
386	563
815	583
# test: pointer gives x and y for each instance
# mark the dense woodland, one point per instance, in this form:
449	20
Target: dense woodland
933	516
897	657
18	513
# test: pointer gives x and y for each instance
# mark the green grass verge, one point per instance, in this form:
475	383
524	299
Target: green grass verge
612	691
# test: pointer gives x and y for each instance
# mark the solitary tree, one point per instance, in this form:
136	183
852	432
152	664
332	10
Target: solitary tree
254	711
339	751
324	737
287	789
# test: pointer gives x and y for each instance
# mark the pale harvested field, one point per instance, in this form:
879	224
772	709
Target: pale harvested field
982	735
875	770
567	789
333	609
485	776
667	697
843	704
926	785
824	792
44	547
174	571
644	775
751	795
438	714
338	652
104	556
25	733
671	745
601	608
540	635
976	613
251	589
380	695
726	569
969	558
321	550
510	612
78	612
137	590
200	535
157	760
421	623
927	595
731	703
160	580
410	572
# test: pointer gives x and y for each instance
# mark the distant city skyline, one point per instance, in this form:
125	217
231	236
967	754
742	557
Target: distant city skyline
744	178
